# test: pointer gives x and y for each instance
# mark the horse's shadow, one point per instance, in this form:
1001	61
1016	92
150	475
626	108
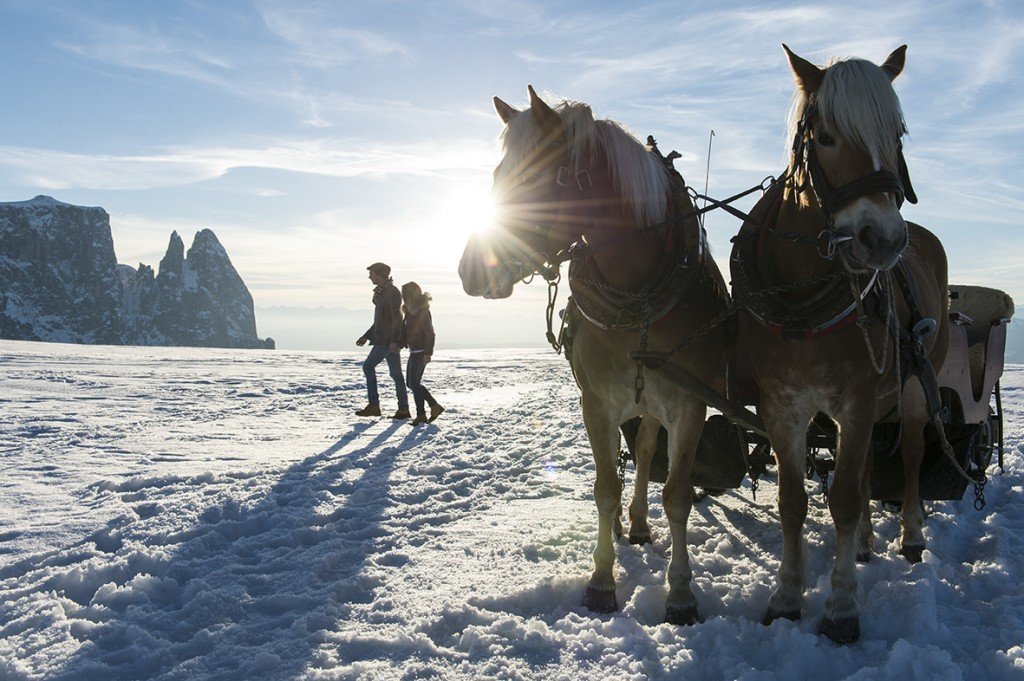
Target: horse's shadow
243	593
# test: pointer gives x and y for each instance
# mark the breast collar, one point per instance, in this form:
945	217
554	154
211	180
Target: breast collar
678	277
829	310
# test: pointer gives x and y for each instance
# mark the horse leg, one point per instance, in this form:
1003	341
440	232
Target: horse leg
646	444
841	622
787	430
604	441
683	436
865	530
912	453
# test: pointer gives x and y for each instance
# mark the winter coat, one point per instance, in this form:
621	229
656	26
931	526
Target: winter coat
387	315
418	330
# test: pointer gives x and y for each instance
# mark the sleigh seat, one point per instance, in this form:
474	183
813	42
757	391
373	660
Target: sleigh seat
977	342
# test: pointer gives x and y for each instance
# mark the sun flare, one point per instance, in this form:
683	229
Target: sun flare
467	209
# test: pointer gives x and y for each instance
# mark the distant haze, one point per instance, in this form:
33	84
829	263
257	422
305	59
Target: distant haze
337	328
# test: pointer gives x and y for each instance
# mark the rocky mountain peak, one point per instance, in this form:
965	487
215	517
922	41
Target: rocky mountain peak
174	257
60	281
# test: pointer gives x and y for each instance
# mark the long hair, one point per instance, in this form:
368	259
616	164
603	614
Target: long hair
414	297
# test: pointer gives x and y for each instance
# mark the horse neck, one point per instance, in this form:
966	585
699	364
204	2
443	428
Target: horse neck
630	263
633	256
790	262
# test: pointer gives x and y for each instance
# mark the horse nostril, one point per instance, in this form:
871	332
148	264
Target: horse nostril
869	238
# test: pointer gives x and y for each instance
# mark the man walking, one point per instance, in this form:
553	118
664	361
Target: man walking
384	337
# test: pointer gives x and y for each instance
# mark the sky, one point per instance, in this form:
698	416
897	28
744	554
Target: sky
315	138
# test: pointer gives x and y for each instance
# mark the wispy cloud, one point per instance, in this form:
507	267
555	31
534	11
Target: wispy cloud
151	48
264	71
53	169
321	37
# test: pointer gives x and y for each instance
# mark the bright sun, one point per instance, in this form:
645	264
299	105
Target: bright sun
466	209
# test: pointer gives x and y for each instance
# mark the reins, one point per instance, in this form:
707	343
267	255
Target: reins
580	250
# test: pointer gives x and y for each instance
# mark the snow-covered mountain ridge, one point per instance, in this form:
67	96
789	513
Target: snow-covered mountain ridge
60	281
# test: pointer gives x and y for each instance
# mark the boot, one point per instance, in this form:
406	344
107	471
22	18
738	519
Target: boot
435	411
369	410
420	418
401	414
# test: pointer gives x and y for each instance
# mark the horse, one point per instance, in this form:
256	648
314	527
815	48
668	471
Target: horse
570	187
813	269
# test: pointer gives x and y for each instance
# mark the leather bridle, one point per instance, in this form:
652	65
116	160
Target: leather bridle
832	200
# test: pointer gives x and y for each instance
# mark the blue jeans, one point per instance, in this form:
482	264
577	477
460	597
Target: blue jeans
377	354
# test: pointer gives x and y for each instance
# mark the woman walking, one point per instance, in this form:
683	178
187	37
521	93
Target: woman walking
418	336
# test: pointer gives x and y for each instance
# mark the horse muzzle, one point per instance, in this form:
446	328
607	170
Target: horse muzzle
482	273
871	239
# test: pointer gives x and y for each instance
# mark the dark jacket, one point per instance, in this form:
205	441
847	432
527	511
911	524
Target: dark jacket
418	331
387	316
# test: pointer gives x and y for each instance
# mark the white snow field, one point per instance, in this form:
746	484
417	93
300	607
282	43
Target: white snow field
213	514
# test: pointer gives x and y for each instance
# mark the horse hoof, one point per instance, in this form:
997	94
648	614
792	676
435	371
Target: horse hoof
772	615
640	539
846	630
912	553
864	557
682	616
598	600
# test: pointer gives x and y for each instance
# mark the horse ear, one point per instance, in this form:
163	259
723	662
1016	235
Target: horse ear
808	76
893	65
505	111
542	113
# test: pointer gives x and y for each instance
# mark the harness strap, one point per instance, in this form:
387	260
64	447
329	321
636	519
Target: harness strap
919	364
912	354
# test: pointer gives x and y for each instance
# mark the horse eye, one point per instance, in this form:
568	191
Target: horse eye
825	139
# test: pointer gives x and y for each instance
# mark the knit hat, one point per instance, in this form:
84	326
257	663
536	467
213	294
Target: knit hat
380	269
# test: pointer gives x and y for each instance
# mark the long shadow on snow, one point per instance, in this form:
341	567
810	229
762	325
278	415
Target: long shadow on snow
249	592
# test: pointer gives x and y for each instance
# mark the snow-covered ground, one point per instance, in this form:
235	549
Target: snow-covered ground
200	514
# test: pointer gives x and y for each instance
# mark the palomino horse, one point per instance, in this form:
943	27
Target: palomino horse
814	269
640	276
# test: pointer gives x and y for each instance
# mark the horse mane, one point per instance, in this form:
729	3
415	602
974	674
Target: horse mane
637	176
856	99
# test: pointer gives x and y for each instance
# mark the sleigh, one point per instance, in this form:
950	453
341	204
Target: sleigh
733	448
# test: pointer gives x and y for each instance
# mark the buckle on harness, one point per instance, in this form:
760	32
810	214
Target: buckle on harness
924	328
562	178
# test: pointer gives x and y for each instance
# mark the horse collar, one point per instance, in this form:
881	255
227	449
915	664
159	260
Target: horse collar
826	311
680	269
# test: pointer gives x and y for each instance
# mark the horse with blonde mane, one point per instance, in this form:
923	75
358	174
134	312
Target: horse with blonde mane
570	187
815	268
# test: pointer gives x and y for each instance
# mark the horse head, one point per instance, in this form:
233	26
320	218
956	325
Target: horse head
847	127
526	193
563	177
